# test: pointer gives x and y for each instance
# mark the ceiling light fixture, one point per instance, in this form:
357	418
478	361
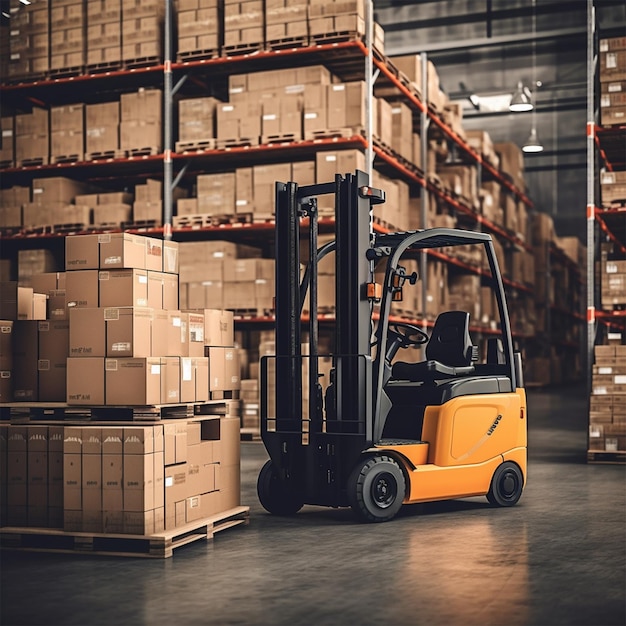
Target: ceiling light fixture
521	99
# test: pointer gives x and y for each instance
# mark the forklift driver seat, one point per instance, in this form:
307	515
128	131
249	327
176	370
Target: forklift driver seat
449	351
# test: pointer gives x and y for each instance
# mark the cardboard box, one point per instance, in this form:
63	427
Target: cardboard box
82	252
82	289
170	380
128	331
25	360
123	287
122	251
218	327
85	381
170	257
87	332
133	381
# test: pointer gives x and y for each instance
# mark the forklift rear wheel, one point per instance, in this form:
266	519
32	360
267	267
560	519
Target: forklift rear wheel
506	485
274	495
376	489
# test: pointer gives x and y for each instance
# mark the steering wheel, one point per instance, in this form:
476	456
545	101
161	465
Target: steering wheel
407	334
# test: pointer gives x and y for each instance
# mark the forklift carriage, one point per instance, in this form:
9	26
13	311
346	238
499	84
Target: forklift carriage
381	432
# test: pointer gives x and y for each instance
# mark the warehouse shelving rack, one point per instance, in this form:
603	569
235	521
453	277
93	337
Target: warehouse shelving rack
353	59
606	149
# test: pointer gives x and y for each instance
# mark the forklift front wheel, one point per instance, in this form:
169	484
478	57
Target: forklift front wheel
376	489
274	495
506	485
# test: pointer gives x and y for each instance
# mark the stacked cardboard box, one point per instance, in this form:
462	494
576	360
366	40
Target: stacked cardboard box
613	284
203	269
102	130
136	479
511	162
104	35
68	22
411	67
141	121
67	134
607	416
286	22
7	144
6	361
199	28
29	39
148	205
103	208
330	18
32	138
613	81
244	23
12	200
51	198
196	123
142	31
613	188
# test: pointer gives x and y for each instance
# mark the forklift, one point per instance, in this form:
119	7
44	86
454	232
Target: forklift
381	432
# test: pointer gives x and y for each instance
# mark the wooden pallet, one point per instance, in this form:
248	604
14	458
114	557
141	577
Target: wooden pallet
73	227
105	155
33	161
287	42
330	133
195	221
141	225
236	142
605	456
157	546
104	67
280	138
143	152
242	48
66	158
153	413
336	37
198	55
199	145
614	204
66	72
147	61
6	164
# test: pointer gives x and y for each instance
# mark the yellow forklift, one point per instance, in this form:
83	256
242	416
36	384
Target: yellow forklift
381	432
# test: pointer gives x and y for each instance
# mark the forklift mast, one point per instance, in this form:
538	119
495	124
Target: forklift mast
353	271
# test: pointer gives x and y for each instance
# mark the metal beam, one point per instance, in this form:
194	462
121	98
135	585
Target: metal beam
481	42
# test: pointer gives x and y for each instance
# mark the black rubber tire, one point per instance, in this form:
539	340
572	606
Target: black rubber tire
506	485
376	489
275	497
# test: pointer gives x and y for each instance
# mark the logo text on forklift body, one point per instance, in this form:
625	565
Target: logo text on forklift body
494	425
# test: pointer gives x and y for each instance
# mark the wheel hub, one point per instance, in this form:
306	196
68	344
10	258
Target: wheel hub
384	490
508	485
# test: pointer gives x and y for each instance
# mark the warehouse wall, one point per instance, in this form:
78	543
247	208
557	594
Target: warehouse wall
486	45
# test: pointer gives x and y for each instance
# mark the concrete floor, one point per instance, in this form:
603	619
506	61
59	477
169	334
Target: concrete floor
558	557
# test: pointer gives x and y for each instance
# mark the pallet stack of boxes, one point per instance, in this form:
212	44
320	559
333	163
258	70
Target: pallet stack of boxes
607	414
113	336
613	81
142	32
68	30
104	35
29	40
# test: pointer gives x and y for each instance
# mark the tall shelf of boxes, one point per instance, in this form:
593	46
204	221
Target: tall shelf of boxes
272	91
606	267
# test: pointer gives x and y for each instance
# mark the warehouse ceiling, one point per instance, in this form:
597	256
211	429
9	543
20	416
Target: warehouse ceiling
482	48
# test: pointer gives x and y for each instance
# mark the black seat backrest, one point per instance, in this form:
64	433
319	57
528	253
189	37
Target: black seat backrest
450	342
